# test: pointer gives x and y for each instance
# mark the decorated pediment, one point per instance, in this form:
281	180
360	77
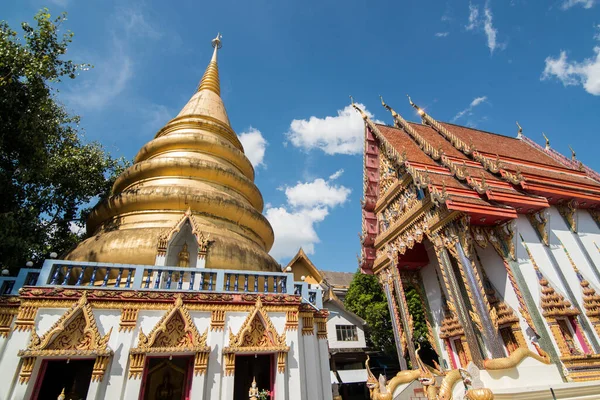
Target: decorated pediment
257	335
203	241
174	332
74	334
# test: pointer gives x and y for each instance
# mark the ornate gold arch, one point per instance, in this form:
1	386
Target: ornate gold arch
74	334
257	335
174	333
203	241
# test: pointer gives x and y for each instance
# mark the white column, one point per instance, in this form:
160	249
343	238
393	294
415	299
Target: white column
198	383
10	365
227	388
212	384
95	390
325	378
24	391
311	367
280	381
294	374
116	375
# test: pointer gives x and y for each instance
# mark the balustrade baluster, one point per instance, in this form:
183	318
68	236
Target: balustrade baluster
193	275
227	279
235	284
118	281
80	276
275	284
157	282
255	283
93	277
202	280
284	284
128	280
245	282
169	279
54	280
148	273
105	281
210	281
67	275
180	283
266	283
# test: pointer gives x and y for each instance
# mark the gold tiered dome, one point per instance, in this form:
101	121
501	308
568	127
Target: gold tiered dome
194	166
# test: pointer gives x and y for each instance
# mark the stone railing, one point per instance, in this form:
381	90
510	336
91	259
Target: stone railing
145	277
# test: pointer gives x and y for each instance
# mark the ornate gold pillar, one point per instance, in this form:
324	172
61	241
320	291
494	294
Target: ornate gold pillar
386	281
404	313
456	303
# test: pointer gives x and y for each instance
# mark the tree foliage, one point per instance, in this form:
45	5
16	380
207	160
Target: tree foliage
366	299
47	172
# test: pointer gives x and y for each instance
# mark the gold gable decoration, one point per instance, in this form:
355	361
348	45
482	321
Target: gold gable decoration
74	334
257	335
204	242
175	332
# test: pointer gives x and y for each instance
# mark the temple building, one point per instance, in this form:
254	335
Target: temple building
173	294
501	237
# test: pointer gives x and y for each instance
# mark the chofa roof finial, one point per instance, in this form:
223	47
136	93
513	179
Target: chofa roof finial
520	133
547	140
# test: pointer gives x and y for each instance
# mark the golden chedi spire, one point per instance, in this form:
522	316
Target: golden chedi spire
194	169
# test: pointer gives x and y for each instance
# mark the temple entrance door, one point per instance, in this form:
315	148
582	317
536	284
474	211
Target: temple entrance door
252	366
73	376
167	379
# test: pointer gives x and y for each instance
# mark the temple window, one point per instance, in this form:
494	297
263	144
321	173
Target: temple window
346	333
571	340
508	337
459	351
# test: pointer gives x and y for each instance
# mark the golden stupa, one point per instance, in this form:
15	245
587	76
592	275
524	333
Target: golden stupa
195	166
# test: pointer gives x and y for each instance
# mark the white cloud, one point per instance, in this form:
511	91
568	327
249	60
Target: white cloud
473	17
585	73
572	3
294	229
111	74
307	204
340	134
254	146
442	34
484	23
336	174
318	193
489	29
106	81
75	228
469	110
597	35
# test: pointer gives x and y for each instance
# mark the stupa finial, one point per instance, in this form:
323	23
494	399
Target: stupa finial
210	79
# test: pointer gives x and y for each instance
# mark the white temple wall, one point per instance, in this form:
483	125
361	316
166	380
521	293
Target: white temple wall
589	233
212	385
493	265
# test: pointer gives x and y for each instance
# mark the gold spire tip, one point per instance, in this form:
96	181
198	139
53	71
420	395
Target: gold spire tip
411	102
216	42
382	101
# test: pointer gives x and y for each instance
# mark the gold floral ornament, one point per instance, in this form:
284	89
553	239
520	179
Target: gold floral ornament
257	335
74	334
174	333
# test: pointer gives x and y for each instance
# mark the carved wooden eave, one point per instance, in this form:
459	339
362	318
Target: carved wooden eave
74	334
256	335
175	332
204	242
595	213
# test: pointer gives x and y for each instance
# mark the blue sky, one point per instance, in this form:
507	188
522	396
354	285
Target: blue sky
287	68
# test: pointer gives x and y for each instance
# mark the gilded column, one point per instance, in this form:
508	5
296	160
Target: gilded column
483	315
386	281
456	301
404	313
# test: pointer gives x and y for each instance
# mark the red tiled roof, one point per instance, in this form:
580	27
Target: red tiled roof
493	143
403	143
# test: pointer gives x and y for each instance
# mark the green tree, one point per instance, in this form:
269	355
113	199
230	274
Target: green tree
47	172
366	299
